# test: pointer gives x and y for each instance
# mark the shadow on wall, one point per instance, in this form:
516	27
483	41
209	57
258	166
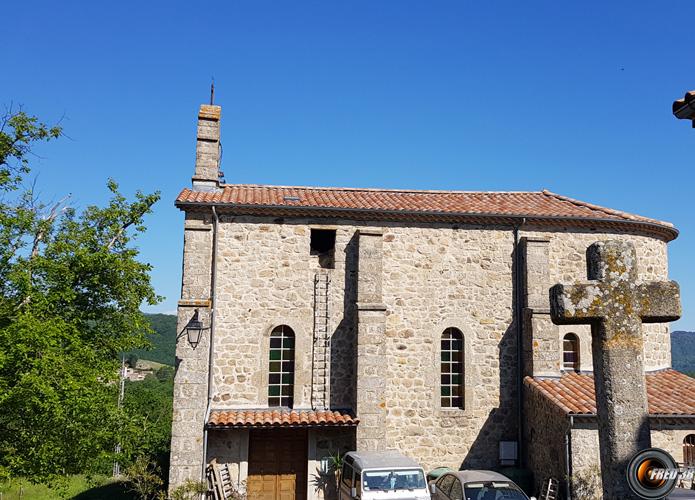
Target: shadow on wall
331	444
343	341
501	422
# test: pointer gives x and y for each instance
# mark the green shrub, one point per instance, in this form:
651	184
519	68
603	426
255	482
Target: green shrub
145	479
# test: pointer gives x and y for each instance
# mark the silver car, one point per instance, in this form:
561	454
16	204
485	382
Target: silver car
475	485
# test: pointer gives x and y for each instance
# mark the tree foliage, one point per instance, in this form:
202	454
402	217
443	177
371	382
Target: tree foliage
149	406
145	479
71	287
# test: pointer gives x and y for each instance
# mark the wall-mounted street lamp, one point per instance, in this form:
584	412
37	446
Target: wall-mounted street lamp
194	330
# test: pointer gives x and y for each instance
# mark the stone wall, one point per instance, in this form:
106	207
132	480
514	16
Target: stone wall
435	276
191	379
265	279
585	447
231	447
667	436
670	436
546	428
567	264
371	404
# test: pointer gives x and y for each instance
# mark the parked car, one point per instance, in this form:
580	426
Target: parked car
435	474
475	485
386	475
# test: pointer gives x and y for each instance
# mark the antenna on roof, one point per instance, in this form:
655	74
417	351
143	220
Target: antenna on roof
212	91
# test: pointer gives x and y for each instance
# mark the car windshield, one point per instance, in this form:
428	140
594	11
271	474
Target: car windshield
493	491
383	480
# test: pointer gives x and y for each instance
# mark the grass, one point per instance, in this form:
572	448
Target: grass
146	364
74	487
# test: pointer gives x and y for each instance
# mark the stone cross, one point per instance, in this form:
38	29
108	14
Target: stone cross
616	304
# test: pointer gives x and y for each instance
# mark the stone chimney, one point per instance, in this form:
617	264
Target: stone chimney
207	155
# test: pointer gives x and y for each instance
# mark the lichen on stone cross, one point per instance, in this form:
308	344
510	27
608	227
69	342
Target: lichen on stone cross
615	303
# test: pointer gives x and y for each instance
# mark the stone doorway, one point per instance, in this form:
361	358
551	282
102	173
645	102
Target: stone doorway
277	464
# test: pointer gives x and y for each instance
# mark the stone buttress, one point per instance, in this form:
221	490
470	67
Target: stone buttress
371	326
541	343
191	379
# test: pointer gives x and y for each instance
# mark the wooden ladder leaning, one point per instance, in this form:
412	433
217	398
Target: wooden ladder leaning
550	489
220	485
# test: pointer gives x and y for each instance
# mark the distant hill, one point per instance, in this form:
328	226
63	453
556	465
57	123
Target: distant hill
163	341
683	351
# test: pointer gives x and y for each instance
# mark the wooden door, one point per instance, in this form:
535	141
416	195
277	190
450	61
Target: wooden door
277	464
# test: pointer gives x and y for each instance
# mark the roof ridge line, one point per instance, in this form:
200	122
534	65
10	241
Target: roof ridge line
390	190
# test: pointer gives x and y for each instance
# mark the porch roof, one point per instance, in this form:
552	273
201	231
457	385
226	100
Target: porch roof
669	393
279	417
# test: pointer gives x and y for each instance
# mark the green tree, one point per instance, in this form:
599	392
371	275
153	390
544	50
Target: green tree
71	287
145	479
149	406
165	373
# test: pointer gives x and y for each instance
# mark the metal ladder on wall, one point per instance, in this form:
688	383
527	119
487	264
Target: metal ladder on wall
321	359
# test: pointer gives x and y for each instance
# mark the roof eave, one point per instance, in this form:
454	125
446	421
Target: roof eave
280	426
675	416
669	232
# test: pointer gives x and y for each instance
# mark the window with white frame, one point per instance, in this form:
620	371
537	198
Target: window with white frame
281	367
452	369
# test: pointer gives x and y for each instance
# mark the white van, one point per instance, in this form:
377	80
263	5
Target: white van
381	475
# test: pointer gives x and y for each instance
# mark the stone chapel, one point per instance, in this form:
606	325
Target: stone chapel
325	320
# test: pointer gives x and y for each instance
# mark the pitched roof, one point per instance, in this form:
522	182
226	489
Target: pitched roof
669	392
279	417
389	204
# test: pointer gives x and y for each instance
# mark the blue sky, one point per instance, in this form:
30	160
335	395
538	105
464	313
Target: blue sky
573	97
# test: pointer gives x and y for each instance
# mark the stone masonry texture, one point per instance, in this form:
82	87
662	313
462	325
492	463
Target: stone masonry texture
433	276
208	144
190	382
614	302
371	345
541	343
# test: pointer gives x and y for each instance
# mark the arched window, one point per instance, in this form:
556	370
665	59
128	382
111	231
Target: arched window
570	352
689	450
452	369
281	368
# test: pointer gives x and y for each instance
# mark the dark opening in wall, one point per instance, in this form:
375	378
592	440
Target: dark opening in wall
323	245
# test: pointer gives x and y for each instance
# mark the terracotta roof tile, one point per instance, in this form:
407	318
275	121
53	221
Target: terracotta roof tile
388	203
669	392
280	417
